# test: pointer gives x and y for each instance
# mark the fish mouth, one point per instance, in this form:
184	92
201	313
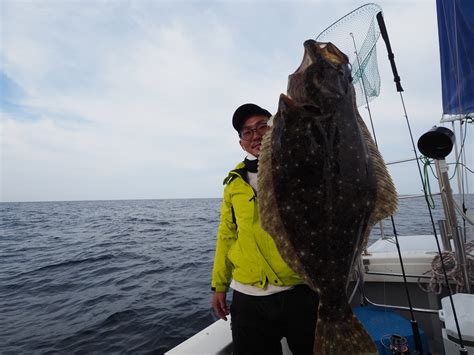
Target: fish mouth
322	77
329	52
315	51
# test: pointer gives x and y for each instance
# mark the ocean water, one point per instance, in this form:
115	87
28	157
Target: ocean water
117	276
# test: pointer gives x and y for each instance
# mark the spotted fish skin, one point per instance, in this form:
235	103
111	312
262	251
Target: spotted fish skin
317	190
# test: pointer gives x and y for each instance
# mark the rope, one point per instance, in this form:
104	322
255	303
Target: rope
453	270
458	157
426	180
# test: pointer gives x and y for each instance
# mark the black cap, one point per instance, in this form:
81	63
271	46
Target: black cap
246	111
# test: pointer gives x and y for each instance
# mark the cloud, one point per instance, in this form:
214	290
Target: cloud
133	99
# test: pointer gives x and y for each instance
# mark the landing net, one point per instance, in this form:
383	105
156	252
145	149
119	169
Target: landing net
356	35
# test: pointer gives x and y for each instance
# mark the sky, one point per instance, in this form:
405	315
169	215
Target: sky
108	100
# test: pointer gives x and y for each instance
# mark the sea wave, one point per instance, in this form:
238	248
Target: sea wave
117	276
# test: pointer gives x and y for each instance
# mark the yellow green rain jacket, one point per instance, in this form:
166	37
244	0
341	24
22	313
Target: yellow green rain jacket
244	251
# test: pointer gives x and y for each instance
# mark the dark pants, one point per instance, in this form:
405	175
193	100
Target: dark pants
260	322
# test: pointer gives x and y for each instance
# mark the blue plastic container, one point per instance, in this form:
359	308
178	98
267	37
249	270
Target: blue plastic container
381	323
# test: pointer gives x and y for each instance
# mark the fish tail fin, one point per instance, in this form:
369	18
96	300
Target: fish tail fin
344	335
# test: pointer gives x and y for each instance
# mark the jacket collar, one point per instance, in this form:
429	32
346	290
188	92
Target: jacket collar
239	171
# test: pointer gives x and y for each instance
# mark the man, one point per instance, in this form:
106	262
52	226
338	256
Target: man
270	300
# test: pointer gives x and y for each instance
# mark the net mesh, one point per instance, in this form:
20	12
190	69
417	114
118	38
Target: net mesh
356	35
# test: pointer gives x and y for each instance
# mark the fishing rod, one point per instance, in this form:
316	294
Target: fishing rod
413	322
396	78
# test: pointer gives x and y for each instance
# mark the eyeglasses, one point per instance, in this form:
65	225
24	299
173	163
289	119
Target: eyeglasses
247	133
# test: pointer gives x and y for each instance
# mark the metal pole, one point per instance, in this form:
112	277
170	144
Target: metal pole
382	234
461	258
447	198
450	221
444	235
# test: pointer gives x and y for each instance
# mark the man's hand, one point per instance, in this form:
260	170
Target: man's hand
219	305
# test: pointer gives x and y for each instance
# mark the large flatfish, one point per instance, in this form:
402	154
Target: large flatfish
322	184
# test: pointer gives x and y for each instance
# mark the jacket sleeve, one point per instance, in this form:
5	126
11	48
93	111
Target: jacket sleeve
226	237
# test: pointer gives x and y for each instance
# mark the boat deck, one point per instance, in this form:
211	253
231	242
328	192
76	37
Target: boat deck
382	258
